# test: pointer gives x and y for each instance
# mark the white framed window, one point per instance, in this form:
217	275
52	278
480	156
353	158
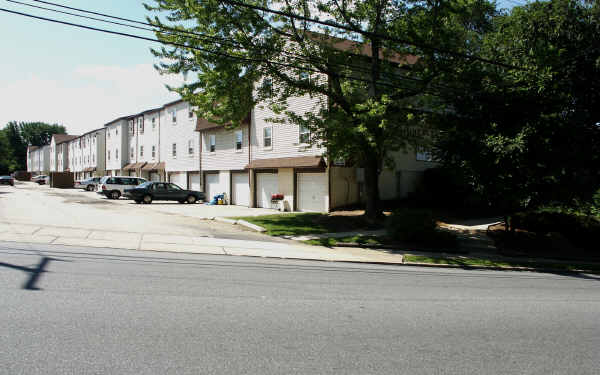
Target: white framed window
268	137
153	152
191	147
141	151
174	150
423	154
304	135
153	123
174	117
108	158
117	131
212	143
141	125
267	86
304	76
190	113
239	140
131	127
116	153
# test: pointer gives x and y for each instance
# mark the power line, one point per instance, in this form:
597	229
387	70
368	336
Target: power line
172	31
240	58
370	34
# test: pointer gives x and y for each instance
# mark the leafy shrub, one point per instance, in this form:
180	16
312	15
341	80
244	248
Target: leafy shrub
419	227
581	229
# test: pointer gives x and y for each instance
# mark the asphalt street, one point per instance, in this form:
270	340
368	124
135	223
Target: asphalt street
70	310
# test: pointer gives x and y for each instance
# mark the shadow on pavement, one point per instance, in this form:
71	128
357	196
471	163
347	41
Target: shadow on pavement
34	272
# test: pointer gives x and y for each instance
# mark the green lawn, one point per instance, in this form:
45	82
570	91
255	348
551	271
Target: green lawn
362	240
468	261
306	223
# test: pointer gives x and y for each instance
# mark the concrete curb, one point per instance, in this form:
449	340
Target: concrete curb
226	220
254	227
497	268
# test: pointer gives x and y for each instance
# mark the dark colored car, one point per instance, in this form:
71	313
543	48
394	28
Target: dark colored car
162	191
7	180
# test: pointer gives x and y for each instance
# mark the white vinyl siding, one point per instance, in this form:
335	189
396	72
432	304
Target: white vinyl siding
181	135
226	157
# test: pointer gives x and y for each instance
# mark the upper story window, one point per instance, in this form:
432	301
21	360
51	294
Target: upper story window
304	76
174	149
212	143
131	153
116	153
304	137
141	150
153	152
190	113
131	127
174	116
108	134
267	137
267	86
107	157
191	147
141	125
239	136
117	131
153	123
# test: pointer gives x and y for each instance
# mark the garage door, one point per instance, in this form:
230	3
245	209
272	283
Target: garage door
154	177
241	189
179	179
312	192
267	184
211	185
194	181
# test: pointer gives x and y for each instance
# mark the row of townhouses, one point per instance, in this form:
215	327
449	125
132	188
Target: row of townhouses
248	164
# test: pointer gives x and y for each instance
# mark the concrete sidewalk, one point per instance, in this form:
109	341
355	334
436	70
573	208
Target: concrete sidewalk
186	244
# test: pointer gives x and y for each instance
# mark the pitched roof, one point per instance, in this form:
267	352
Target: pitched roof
62	138
203	124
33	148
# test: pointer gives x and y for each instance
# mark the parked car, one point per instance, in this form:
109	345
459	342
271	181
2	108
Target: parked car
162	191
113	187
7	180
41	179
89	184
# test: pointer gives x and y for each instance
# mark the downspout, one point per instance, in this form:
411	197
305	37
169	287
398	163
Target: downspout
159	159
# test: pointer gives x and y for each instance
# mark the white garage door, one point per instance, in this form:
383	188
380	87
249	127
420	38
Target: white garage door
211	186
267	184
194	181
179	179
154	177
312	192
241	189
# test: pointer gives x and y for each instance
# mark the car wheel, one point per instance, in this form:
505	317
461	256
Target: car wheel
191	199
115	194
147	199
90	188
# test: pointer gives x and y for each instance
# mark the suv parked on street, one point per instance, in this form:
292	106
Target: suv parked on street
113	187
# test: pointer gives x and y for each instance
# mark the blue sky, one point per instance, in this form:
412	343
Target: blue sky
79	78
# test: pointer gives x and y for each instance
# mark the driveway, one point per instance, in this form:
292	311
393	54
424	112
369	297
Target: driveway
29	203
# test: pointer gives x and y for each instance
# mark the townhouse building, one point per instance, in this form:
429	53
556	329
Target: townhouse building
179	144
44	159
224	155
59	152
92	147
143	146
117	144
33	160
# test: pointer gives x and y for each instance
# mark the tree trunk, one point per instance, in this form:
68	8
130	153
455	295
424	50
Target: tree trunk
372	211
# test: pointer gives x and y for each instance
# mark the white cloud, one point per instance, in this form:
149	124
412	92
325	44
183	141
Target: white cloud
88	98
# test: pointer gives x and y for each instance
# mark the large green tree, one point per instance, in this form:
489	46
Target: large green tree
361	64
529	135
20	135
7	160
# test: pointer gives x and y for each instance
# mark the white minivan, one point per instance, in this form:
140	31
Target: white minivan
113	187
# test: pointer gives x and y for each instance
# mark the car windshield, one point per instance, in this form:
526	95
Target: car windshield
174	187
4	177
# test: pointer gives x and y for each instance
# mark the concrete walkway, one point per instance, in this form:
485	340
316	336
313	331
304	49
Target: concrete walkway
186	244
